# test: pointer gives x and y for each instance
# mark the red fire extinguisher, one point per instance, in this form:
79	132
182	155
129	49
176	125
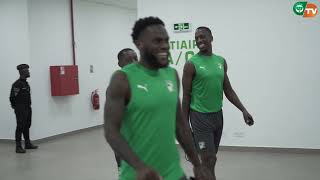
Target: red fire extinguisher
95	100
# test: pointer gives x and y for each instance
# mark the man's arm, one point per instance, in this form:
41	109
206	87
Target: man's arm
13	94
188	75
185	139
116	96
233	97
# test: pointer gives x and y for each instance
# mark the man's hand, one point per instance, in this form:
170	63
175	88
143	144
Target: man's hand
146	173
248	118
202	173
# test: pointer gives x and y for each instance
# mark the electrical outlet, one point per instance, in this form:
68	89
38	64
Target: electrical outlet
91	68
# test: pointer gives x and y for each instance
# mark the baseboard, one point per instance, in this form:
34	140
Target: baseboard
221	148
6	141
269	149
46	139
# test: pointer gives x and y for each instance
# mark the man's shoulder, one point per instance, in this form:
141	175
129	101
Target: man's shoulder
17	83
129	67
221	58
129	70
194	58
118	79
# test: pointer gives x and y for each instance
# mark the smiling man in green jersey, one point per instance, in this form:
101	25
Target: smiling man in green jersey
204	81
143	113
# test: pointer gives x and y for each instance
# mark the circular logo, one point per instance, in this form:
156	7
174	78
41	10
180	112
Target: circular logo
299	8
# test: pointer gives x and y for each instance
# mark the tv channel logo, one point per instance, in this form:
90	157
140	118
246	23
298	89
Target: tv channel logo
305	9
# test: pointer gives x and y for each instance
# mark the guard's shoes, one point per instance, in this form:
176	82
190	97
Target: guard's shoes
31	146
19	149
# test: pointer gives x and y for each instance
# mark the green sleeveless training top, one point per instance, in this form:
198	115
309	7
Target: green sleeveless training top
149	122
207	85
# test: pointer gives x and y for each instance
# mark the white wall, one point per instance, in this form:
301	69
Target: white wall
14	50
273	58
101	30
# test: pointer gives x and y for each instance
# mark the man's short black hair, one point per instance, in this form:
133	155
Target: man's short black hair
205	28
142	24
121	53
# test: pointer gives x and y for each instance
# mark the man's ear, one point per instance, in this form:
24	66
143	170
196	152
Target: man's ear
138	44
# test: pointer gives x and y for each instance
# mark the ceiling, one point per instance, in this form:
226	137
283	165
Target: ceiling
127	4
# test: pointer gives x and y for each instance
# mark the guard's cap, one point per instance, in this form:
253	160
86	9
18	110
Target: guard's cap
22	66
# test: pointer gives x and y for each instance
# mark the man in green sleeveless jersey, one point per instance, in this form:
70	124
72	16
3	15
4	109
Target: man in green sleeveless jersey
204	81
143	114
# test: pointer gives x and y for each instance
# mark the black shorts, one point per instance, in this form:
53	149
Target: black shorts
207	130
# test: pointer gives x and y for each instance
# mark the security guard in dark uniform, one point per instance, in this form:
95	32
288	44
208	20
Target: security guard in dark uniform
20	99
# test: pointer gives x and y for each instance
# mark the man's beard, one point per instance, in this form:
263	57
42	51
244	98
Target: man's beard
152	61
